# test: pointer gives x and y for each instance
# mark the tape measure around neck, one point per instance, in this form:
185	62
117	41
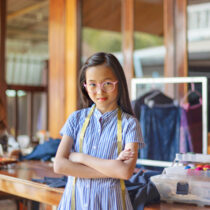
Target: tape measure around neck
84	127
119	147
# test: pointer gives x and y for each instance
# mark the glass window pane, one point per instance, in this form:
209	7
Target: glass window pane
149	50
26	42
39	112
101	28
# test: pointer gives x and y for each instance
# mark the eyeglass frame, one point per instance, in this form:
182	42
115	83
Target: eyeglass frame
101	86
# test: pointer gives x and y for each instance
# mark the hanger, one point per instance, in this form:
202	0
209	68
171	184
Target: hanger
192	90
149	98
159	98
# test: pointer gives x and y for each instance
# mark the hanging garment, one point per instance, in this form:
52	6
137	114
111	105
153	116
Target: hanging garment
193	111
136	104
194	120
185	144
161	132
160	98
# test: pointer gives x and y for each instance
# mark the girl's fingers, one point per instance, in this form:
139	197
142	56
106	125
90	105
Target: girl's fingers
126	154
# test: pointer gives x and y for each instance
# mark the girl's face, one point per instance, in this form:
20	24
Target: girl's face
102	87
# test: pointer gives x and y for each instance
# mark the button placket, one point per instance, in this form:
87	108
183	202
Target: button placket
100	126
94	146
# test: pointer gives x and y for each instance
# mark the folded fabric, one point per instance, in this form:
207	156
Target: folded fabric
44	151
53	182
141	190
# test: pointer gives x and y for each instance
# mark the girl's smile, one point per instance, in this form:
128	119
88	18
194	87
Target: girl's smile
102	99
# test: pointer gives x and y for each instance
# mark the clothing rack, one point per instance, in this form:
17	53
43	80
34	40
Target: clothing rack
175	80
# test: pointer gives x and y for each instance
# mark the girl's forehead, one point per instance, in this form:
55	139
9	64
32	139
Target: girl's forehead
99	72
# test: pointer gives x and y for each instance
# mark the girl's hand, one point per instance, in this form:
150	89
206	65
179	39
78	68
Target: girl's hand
75	157
125	155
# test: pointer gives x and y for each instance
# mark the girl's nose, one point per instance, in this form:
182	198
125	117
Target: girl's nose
99	89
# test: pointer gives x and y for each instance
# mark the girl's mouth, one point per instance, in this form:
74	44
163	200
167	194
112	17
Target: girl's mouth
102	99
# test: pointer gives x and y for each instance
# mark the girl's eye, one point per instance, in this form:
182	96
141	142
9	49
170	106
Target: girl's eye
92	84
108	83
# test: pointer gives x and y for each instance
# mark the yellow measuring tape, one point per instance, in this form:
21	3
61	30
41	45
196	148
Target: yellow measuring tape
119	146
81	138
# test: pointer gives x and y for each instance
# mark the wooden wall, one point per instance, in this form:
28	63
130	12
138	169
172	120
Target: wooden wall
127	40
3	104
175	40
64	47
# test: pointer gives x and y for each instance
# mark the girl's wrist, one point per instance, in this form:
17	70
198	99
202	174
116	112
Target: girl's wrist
83	158
80	158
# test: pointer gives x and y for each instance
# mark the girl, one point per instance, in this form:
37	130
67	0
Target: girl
90	152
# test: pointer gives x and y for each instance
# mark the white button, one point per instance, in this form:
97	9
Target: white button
94	147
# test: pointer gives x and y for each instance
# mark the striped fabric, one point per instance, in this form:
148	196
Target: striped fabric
100	141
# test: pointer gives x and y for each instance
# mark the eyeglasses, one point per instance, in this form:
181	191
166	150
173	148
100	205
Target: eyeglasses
107	86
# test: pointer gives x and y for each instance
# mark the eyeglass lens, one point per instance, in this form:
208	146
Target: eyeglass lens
105	86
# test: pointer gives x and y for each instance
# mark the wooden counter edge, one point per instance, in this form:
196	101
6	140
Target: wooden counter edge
30	190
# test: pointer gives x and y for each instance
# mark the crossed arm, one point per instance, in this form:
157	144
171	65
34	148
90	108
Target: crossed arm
86	166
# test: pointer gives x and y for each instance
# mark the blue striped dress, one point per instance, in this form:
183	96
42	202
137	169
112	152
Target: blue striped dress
100	141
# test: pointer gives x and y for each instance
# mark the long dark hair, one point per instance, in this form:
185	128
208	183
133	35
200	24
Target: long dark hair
111	61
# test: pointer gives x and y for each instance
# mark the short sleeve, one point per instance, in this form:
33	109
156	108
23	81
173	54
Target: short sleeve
133	133
69	126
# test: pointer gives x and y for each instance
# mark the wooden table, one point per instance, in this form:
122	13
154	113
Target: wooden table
174	206
16	180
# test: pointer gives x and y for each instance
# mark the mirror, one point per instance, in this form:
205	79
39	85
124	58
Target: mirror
170	124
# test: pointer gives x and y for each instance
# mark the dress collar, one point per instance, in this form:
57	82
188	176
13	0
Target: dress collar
99	115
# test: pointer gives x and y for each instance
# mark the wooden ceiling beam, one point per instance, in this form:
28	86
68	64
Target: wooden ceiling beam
27	34
42	23
26	10
150	21
149	15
